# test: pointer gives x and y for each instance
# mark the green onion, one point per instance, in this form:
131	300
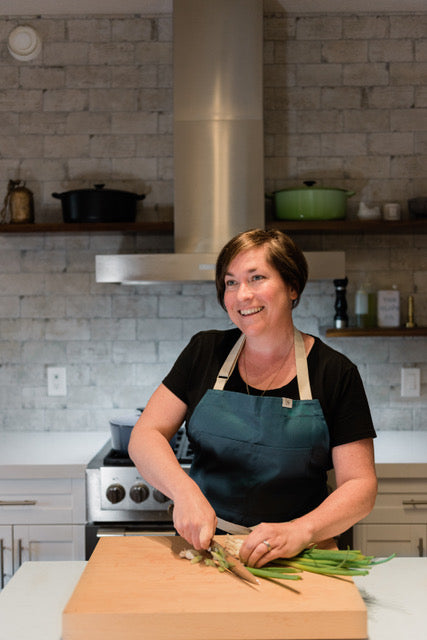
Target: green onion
269	572
382	560
327	562
333	562
327	571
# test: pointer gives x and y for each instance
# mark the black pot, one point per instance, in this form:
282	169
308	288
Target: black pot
120	429
98	205
417	207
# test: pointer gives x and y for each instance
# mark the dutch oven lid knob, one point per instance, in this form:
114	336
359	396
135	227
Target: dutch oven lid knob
309	183
99	186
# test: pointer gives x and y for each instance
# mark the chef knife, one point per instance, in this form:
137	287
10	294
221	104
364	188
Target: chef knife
235	566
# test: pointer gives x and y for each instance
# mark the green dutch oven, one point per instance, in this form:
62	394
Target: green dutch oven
311	203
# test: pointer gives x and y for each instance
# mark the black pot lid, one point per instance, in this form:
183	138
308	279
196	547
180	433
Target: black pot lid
99	188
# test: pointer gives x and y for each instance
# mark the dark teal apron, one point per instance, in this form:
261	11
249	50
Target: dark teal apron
260	458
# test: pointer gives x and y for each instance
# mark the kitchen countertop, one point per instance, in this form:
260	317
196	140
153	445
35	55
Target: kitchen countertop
31	604
402	453
54	448
48	454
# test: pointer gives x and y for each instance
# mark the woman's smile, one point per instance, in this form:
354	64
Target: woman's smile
250	312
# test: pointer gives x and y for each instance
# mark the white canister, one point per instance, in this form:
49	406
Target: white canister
391	211
388	308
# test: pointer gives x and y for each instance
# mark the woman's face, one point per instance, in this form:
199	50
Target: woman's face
256	298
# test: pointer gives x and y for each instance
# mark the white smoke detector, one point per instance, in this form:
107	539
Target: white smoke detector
24	43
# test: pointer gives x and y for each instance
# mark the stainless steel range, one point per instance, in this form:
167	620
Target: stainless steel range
120	502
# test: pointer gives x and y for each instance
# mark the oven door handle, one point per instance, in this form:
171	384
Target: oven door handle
105	532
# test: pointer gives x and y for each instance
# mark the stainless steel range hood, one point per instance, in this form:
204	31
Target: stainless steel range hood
139	269
218	142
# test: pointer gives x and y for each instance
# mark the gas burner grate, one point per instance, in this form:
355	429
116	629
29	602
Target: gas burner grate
182	447
116	458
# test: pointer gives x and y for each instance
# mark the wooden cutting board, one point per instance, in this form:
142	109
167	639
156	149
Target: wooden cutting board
137	588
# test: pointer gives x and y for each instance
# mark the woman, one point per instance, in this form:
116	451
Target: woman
262	446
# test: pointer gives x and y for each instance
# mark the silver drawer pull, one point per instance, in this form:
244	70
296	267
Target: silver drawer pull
145	532
1	564
20	550
17	503
414	503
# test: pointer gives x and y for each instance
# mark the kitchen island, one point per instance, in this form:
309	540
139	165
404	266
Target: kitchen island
31	604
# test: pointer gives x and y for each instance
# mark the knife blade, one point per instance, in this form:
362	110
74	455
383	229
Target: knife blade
230	527
236	567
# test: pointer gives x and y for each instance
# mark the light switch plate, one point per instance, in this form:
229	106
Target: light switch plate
410	382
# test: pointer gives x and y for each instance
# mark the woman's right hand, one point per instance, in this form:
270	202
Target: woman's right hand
194	519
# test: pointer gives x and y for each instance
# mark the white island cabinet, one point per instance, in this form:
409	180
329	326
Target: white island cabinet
42	496
398	522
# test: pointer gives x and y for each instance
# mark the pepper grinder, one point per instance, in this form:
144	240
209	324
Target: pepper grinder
341	317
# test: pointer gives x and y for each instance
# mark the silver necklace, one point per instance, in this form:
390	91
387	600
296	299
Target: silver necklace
276	373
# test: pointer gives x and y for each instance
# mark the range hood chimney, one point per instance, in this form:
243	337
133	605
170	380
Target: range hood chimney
218	141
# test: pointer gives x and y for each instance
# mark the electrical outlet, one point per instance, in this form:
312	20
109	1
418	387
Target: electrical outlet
56	381
410	383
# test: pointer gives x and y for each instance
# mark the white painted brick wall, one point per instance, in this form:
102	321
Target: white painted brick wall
345	103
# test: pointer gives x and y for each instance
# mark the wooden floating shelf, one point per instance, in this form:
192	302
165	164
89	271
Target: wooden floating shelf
300	227
350	226
62	227
376	332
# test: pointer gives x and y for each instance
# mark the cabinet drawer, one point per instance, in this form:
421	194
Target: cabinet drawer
40	501
399	508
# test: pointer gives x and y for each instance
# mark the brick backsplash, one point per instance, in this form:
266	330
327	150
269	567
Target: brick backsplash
345	103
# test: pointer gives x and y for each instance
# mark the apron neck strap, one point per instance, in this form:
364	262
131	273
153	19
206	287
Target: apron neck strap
300	361
303	378
229	364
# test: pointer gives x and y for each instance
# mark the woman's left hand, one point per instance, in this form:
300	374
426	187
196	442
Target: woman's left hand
271	540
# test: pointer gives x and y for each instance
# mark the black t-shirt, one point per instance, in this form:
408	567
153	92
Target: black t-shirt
335	382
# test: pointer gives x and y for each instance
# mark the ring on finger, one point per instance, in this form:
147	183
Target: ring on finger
267	544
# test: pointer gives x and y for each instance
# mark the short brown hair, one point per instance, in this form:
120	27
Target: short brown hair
282	254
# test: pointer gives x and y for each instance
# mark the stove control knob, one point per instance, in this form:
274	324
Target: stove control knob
115	493
139	492
159	496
